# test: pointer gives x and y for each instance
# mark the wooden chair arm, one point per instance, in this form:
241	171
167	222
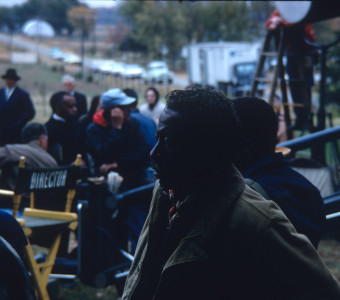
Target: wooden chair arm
6	193
50	214
21	221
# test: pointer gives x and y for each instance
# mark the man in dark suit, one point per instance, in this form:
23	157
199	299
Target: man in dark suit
69	86
66	137
16	109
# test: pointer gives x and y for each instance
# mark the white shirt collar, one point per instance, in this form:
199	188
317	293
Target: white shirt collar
58	118
9	91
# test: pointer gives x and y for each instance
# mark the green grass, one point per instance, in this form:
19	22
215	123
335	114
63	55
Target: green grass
83	292
329	250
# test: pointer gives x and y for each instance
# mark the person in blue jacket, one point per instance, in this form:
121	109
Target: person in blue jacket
299	199
116	142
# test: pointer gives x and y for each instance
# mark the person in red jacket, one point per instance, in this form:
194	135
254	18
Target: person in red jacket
300	60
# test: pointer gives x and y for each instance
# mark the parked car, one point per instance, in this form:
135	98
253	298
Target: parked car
70	58
96	64
56	53
118	69
106	66
158	71
133	71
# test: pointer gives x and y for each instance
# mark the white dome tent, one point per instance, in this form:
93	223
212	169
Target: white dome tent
38	28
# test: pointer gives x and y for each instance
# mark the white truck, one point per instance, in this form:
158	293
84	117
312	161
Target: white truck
227	66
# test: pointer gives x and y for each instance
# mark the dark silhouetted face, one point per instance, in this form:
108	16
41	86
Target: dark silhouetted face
10	83
170	156
68	108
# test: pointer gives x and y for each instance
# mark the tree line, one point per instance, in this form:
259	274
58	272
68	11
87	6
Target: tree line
169	25
155	27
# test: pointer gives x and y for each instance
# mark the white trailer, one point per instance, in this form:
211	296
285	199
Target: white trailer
223	65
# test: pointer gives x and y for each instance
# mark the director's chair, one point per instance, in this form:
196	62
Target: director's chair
44	226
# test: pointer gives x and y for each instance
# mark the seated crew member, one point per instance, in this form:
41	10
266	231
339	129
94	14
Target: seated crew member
35	140
299	199
116	141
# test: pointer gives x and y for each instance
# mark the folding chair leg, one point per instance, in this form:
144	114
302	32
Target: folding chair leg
40	272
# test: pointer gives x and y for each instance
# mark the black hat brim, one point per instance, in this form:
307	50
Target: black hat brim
11	78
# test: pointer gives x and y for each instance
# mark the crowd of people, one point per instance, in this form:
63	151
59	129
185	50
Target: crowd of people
204	148
113	135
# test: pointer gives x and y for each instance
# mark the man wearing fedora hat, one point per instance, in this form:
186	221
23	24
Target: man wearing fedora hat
16	109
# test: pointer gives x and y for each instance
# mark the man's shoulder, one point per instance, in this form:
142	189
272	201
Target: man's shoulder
21	91
29	150
51	123
281	179
96	127
253	212
22	148
12	147
143	118
79	95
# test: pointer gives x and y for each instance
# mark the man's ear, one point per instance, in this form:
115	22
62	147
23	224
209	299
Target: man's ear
43	141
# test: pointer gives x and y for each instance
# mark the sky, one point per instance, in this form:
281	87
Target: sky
90	3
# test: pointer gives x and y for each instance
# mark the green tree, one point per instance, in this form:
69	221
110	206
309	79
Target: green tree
52	11
326	32
6	19
82	18
157	25
171	24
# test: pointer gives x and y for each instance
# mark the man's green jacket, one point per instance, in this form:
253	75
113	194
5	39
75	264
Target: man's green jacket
241	247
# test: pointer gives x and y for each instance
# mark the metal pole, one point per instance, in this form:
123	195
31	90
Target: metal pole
321	112
82	47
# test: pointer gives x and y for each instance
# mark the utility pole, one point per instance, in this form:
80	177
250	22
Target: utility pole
82	46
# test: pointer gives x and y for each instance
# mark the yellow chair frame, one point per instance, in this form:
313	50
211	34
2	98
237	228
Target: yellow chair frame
40	272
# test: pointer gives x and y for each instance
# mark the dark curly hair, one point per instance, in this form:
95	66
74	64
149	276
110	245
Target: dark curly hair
208	124
259	125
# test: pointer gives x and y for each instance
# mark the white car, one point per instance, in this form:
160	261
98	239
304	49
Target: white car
70	58
133	71
118	69
56	53
95	64
158	71
106	66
